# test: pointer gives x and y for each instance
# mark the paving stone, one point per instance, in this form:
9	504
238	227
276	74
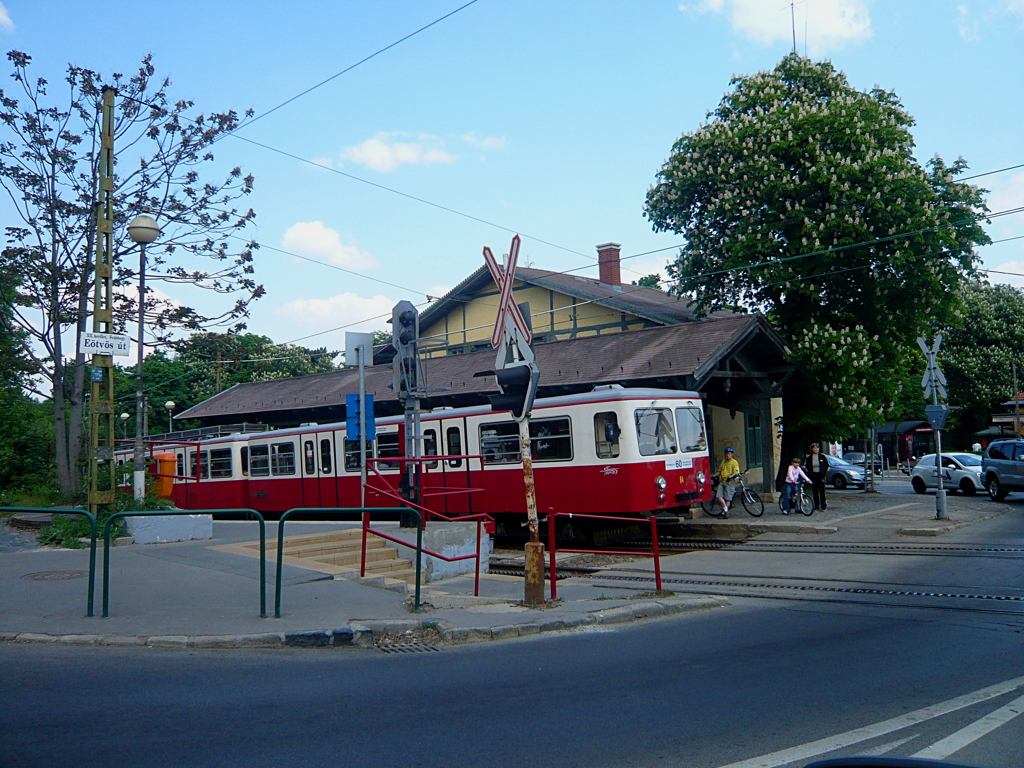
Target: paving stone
615	615
122	640
36	637
80	639
318	639
506	632
553	625
7	636
342	637
214	641
528	629
648	610
168	641
467	634
264	640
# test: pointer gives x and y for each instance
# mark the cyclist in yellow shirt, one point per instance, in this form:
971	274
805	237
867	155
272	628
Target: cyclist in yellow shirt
727	470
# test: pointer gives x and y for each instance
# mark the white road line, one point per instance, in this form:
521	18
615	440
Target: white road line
821	746
884	749
940	750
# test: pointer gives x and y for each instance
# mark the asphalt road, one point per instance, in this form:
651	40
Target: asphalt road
765	679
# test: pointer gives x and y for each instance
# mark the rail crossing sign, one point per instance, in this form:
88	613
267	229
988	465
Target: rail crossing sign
512	332
933	381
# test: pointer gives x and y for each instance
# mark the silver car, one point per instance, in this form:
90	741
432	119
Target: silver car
960	472
842	474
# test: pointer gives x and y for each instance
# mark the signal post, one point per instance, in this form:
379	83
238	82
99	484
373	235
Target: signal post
517	376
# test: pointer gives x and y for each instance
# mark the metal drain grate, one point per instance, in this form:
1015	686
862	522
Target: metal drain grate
406	646
55	575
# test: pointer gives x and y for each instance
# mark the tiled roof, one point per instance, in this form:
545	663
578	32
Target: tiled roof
692	348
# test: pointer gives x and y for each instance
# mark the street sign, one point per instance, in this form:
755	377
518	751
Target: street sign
933	381
354	342
936	415
509	317
352	417
104	344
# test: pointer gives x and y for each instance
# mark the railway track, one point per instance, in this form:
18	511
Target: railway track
677	545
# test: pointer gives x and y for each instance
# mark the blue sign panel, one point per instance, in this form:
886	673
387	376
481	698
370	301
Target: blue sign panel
352	418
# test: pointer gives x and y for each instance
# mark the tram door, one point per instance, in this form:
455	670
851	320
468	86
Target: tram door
455	472
326	469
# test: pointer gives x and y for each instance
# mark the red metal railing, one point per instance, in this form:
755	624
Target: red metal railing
553	547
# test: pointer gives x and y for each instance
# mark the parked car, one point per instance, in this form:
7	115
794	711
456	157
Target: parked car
861	459
842	474
1002	468
960	472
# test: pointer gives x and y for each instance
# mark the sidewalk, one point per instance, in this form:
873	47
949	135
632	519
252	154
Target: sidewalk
191	594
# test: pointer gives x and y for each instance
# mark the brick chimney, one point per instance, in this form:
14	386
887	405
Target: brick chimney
608	261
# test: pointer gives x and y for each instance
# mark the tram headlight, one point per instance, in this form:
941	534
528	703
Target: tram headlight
661	483
701	479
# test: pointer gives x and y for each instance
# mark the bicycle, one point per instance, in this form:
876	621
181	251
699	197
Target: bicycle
748	498
801	502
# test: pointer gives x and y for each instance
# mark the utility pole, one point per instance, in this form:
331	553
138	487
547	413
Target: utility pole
1016	403
101	413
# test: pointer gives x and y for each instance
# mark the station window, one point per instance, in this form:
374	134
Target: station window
755	456
309	457
430	446
387	447
220	462
326	464
690	429
654	432
352	455
282	458
454	436
259	460
606	434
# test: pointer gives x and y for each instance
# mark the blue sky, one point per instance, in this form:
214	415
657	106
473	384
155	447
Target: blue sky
546	119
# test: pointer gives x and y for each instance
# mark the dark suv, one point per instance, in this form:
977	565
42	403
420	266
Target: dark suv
1002	468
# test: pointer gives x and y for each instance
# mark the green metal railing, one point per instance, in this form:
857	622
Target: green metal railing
92	544
364	513
179	513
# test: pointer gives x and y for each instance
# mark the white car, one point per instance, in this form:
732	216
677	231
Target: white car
960	472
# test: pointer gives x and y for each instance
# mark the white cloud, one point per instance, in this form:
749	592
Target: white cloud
491	142
830	24
1007	194
1016	268
1015	8
6	25
342	309
383	153
437	291
313	239
967	24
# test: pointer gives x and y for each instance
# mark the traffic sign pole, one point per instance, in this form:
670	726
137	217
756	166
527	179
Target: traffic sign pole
934	383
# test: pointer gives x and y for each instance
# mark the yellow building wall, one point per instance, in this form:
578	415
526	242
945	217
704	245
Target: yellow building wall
551	311
730	430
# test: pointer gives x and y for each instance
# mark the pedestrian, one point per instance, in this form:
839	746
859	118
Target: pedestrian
728	470
976	447
816	464
793	476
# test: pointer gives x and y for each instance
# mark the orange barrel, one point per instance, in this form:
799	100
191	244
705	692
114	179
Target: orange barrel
166	464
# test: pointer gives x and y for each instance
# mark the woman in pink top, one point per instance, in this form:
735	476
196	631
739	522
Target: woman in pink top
793	477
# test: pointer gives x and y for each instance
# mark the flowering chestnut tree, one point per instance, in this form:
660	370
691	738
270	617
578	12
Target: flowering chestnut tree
800	197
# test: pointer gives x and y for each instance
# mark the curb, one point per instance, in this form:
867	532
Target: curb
363	634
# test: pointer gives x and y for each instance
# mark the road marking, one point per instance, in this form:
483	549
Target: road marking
831	743
940	750
882	511
884	749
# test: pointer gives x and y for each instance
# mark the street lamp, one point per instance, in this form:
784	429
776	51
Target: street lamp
169	405
142	230
124	418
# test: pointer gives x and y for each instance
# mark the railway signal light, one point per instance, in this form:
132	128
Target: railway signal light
518	385
405	334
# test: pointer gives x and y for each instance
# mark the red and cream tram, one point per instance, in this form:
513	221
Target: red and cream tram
610	451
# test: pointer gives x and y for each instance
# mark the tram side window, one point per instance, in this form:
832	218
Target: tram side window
181	465
282	458
245	460
352	463
309	456
220	462
690	426
430	446
551	439
606	434
654	432
259	460
326	465
454	446
388	446
499	442
204	464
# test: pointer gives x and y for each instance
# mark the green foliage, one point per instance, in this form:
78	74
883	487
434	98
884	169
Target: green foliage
650	281
801	198
26	442
980	346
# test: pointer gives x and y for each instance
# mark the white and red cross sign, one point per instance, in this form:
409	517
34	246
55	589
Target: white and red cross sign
510	325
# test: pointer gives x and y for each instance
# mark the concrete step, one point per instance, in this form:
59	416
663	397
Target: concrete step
332	548
352	558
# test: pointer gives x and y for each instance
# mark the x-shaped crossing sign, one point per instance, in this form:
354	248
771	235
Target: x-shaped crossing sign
510	320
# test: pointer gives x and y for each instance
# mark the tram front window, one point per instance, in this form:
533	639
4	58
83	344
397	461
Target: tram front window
690	426
654	431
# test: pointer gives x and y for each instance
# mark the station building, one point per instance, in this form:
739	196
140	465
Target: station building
587	332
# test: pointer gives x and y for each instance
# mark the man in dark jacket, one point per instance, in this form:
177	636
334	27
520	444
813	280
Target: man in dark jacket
816	465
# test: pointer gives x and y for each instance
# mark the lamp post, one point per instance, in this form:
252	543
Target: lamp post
169	405
142	230
124	419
